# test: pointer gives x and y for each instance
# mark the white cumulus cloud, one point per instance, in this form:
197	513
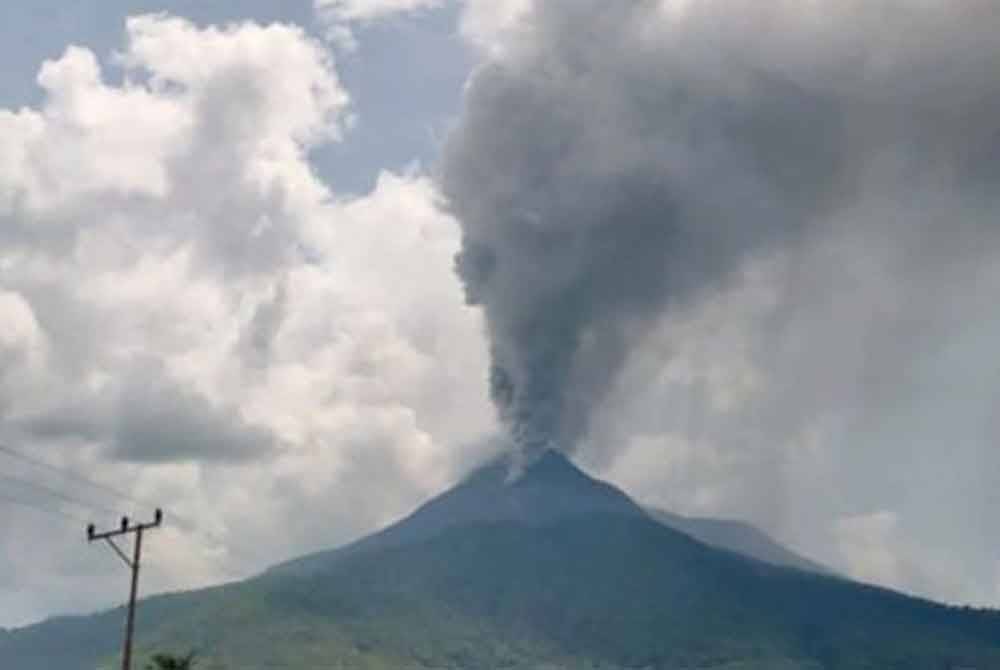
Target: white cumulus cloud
193	315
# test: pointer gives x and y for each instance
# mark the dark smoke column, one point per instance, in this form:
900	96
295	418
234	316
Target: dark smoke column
587	174
622	158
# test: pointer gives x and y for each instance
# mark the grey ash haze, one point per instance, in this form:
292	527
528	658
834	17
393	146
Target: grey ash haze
625	159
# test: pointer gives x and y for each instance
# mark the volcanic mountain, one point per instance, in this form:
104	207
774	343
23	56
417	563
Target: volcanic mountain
551	490
551	569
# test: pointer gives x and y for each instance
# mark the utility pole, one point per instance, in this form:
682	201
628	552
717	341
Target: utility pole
133	564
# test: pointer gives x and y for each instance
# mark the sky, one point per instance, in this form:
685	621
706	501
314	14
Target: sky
755	243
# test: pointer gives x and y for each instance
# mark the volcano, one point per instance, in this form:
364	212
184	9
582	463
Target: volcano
552	489
550	569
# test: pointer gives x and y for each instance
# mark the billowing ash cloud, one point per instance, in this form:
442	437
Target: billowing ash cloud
619	159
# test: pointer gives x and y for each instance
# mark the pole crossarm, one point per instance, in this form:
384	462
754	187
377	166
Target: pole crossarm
128	528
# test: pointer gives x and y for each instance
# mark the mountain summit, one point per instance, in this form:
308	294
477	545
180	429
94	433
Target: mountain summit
550	489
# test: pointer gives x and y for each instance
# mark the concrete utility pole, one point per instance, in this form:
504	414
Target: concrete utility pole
133	564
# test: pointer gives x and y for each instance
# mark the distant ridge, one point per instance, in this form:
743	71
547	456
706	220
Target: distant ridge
741	538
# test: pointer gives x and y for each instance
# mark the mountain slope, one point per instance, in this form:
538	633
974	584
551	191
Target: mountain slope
535	587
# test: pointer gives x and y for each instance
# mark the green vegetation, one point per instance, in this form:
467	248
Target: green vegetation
598	593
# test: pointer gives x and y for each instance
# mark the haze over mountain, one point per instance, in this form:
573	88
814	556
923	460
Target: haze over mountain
552	569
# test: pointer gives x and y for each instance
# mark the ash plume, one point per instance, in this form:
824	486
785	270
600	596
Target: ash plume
619	159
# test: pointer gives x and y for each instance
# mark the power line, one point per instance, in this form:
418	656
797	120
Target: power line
183	523
10	500
56	494
70	474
